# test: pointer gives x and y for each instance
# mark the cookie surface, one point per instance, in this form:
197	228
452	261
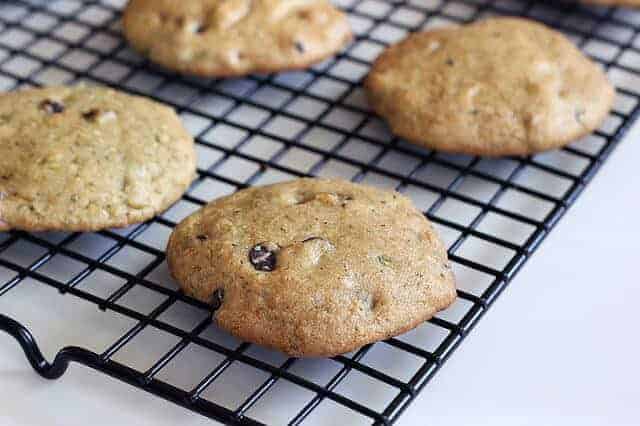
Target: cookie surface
502	86
223	38
313	267
87	158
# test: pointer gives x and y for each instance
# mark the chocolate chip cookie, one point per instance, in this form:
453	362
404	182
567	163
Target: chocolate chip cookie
313	267
87	158
223	38
502	86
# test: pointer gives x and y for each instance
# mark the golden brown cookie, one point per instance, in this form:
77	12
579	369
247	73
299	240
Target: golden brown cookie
313	267
222	38
87	158
502	86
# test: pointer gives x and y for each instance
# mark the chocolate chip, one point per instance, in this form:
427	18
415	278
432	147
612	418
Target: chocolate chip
97	116
449	62
51	107
263	257
217	298
202	237
300	47
91	115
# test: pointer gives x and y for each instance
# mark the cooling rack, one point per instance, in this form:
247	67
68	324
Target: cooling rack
109	293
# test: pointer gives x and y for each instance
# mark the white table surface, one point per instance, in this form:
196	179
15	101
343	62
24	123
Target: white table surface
559	347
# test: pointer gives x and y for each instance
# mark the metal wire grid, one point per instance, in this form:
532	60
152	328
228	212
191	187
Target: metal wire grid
261	129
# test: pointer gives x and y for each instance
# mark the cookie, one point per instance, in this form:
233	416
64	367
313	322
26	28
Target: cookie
502	86
87	158
313	267
224	38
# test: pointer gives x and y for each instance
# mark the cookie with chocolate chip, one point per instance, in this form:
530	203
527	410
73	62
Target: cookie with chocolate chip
87	158
313	267
502	86
223	38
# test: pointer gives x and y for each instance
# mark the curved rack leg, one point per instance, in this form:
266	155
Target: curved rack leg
57	368
34	355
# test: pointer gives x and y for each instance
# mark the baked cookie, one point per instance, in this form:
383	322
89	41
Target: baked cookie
86	158
502	86
223	38
313	267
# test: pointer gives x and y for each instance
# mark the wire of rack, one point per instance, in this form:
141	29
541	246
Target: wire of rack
263	129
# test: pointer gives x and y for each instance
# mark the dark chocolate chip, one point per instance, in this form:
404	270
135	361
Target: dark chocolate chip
217	298
449	62
263	257
202	237
51	107
300	47
91	115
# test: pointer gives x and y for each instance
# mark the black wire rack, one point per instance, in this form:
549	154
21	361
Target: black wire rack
493	214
